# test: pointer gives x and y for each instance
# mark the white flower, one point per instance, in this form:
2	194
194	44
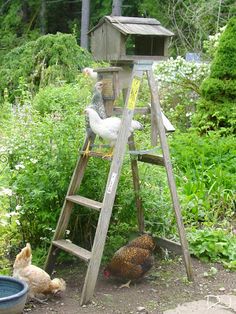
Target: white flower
67	232
17	222
4	223
2	149
6	191
34	161
19	166
18	207
11	214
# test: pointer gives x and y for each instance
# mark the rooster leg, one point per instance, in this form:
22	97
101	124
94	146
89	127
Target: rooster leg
109	154
87	151
126	285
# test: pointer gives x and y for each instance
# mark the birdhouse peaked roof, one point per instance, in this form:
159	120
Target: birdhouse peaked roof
135	25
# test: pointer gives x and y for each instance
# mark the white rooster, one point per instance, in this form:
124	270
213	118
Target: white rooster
108	128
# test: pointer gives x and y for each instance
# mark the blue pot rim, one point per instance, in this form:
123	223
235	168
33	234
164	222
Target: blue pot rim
17	295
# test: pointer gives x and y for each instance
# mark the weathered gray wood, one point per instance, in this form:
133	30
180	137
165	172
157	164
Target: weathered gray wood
67	206
84	201
170	176
151	159
73	249
142	111
154	128
110	191
169	245
136	181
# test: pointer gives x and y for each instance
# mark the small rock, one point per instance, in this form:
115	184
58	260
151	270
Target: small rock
153	290
222	289
84	305
234	290
62	304
141	309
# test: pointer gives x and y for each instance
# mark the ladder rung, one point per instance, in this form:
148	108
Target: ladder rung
81	200
73	249
151	159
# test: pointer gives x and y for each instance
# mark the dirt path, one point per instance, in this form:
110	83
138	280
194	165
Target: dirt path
164	288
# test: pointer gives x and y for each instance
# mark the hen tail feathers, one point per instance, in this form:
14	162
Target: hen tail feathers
57	285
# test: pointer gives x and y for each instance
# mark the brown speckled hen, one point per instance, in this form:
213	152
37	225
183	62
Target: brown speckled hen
133	260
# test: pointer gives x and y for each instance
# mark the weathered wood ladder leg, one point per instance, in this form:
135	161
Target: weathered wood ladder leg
111	187
171	181
67	206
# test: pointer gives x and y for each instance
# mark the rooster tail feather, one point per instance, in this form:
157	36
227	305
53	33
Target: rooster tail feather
147	264
24	258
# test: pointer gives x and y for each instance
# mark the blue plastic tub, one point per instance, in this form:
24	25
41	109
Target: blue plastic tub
13	295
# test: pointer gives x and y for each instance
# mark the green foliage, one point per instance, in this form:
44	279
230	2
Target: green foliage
205	175
14	29
214	245
224	63
58	98
42	153
216	108
51	59
179	83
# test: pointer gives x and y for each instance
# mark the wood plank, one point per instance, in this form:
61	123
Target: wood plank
151	159
73	249
110	191
136	181
169	245
84	201
169	171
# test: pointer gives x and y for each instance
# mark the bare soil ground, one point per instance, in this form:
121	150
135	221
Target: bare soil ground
164	287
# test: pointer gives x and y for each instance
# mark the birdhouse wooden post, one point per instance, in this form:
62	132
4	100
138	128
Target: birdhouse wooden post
109	77
125	39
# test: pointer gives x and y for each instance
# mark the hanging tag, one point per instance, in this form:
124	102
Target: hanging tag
133	93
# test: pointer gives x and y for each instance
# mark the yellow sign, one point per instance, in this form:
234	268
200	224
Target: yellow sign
133	93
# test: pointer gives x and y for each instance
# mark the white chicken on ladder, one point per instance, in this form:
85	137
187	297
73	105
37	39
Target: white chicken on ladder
108	128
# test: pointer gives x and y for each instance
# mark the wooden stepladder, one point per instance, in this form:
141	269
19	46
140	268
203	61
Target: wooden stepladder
94	257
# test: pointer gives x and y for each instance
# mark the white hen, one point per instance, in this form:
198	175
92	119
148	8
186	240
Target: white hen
108	128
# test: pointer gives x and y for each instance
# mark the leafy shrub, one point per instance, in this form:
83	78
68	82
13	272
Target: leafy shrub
42	153
205	177
216	108
179	85
48	60
214	245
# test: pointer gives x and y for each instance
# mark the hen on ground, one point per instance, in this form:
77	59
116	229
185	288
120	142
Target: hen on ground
132	261
38	280
108	128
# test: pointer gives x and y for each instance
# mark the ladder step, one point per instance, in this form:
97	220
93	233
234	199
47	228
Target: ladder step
81	200
152	159
73	249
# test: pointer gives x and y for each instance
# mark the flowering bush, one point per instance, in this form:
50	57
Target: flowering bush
179	83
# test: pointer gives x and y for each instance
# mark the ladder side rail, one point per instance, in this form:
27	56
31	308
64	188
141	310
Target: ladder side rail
110	192
65	214
137	188
136	181
169	170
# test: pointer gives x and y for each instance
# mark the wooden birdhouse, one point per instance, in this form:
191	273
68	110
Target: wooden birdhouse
122	38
